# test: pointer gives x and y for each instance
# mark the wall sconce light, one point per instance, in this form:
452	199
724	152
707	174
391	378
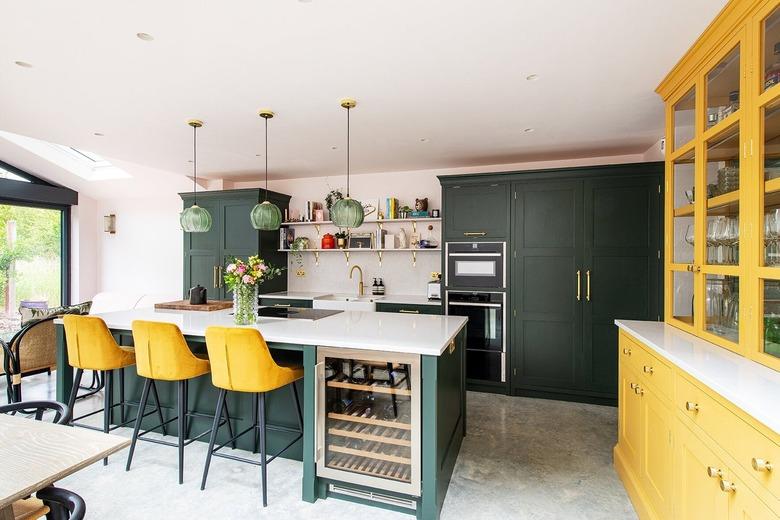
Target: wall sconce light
109	224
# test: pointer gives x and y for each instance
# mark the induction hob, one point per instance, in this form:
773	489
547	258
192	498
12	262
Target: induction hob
295	313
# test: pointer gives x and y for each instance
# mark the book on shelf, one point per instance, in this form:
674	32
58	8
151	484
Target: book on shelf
311	208
419	214
286	237
391	204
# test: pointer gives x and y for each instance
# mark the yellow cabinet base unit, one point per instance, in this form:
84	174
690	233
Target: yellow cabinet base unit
703	440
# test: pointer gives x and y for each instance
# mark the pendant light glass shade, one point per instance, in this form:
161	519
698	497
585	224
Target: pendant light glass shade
195	219
347	212
266	216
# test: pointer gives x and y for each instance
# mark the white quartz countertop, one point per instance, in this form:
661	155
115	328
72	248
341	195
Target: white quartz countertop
404	299
750	386
408	333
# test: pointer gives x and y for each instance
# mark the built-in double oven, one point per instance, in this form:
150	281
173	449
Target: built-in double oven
475	280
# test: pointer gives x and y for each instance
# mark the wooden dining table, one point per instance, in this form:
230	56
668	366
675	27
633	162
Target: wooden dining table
36	454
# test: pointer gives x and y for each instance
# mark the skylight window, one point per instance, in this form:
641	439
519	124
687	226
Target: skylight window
87	165
11	176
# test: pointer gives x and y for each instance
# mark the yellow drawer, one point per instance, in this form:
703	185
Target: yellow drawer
650	368
758	455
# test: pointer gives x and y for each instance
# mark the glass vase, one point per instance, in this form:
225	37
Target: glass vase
245	304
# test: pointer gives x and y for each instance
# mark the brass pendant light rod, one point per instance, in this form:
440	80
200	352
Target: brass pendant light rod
195	124
266	115
349	104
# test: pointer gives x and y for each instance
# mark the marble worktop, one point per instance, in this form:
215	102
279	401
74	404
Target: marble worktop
394	332
403	299
748	385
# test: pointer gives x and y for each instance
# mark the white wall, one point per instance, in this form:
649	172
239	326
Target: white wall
84	262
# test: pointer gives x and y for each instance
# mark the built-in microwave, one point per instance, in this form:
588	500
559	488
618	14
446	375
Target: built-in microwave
476	265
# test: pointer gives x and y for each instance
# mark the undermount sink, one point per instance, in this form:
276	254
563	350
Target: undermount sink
346	302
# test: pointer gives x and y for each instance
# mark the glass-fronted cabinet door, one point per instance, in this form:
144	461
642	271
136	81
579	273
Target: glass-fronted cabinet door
368	418
766	127
722	170
683	189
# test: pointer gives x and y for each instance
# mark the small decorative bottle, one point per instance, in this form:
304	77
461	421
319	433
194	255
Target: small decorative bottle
381	287
375	288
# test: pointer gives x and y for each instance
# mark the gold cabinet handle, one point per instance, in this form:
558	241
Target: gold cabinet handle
727	486
697	268
761	464
409	311
627	351
689	268
579	284
691	406
714	472
474	233
647	370
214	277
639	391
587	285
633	386
281	304
451	347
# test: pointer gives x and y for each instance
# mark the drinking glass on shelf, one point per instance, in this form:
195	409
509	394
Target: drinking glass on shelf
768	238
711	232
714	305
732	240
773	248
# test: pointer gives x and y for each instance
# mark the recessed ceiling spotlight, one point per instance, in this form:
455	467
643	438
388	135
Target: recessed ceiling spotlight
423	139
23	64
99	134
258	155
305	1
144	36
189	161
334	147
532	77
528	130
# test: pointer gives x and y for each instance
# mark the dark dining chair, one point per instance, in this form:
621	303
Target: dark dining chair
38	408
62	503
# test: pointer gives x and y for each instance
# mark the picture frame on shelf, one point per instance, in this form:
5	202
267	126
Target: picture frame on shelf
361	241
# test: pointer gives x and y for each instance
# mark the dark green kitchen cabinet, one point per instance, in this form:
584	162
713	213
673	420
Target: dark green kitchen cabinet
408	308
474	211
231	235
586	251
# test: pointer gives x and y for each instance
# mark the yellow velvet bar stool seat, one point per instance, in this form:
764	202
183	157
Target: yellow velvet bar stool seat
241	361
162	353
91	345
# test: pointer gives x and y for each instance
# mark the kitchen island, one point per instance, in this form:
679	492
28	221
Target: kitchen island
409	366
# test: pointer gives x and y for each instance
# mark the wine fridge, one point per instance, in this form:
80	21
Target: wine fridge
368	418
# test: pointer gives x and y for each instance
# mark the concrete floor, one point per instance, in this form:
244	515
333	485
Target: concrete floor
524	459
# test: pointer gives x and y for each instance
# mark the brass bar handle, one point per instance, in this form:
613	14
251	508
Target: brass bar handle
691	406
714	472
587	285
627	351
647	370
474	233
579	284
451	346
408	311
633	386
281	304
214	277
219	277
761	464
727	486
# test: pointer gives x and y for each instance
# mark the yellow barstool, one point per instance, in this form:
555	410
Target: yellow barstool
91	346
242	362
162	354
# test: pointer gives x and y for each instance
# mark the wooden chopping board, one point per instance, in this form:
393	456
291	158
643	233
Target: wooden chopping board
185	305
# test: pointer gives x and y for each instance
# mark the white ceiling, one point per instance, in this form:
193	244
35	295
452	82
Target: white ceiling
450	71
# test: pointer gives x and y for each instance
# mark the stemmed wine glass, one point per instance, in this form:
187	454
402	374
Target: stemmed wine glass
732	240
711	233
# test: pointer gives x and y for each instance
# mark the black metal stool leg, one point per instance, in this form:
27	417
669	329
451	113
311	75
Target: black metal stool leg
75	390
108	397
263	474
213	437
159	409
181	421
187	421
226	413
141	408
122	413
256	433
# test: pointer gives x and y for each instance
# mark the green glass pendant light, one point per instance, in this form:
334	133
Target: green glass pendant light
195	219
266	216
347	212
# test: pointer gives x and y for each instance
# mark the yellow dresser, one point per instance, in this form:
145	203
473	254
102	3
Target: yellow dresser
698	428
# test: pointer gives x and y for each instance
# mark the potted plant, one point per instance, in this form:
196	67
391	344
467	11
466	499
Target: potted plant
243	278
298	245
332	197
341	239
404	212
